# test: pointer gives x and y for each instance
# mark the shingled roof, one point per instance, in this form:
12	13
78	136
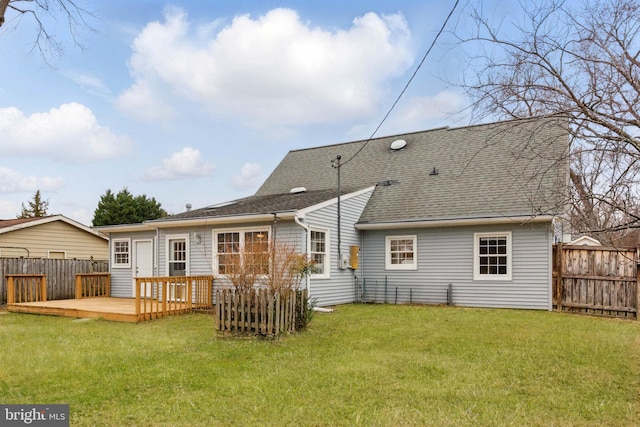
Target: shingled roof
256	205
507	169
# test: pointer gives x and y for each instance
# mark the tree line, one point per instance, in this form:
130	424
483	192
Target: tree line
113	209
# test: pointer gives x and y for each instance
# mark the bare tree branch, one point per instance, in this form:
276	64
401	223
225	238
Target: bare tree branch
579	64
46	14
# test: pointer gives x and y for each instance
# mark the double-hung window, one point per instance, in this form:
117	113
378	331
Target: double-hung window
320	252
247	249
401	253
121	253
177	251
492	256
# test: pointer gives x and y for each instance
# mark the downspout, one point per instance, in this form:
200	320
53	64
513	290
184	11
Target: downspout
156	262
307	250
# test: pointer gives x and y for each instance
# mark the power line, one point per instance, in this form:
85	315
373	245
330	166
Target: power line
433	43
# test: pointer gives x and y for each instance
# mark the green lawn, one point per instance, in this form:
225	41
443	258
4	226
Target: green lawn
372	365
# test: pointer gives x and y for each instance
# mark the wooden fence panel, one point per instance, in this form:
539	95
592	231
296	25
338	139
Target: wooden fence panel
60	274
596	280
258	311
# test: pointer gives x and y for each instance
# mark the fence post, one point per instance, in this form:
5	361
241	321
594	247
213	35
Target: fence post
637	286
559	279
43	288
11	290
137	298
78	286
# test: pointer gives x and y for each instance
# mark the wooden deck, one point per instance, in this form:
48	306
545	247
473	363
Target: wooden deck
114	309
155	297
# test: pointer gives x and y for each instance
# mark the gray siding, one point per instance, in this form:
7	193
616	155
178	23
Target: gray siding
122	278
339	288
445	256
201	252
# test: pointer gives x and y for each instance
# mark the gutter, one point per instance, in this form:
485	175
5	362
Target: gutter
189	222
525	219
298	221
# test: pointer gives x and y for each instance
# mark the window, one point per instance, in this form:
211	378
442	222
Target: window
121	253
320	252
401	253
492	256
177	256
247	248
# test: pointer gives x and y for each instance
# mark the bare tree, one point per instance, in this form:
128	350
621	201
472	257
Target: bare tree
46	14
581	65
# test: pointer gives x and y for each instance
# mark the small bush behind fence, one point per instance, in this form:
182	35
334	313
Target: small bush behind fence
261	311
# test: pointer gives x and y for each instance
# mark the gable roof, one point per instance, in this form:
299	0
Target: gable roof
506	169
9	225
494	171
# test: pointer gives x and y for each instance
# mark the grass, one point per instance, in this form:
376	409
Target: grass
374	365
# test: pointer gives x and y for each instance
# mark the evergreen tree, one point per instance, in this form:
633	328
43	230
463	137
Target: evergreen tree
35	208
124	208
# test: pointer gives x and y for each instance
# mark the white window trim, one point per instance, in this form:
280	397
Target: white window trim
113	253
240	230
327	252
169	237
387	253
61	251
476	257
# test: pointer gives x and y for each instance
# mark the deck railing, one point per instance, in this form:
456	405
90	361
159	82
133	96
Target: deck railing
93	285
26	288
160	296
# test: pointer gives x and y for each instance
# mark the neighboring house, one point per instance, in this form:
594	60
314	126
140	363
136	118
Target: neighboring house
53	236
585	241
470	209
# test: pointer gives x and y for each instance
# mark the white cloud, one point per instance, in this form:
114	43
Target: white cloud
426	111
70	132
143	102
8	209
271	69
185	163
90	83
12	181
250	176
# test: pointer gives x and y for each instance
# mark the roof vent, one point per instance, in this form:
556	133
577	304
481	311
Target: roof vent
297	190
398	144
188	206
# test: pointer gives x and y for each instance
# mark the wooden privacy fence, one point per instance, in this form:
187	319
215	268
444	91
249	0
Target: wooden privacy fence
160	296
60	274
596	280
259	311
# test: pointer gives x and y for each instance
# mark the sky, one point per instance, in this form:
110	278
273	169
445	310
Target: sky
196	102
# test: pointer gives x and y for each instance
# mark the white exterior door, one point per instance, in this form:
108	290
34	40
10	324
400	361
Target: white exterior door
143	262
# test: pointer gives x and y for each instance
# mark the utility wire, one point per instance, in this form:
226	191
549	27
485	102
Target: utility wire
433	43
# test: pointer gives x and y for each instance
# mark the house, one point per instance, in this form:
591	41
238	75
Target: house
53	236
464	215
585	241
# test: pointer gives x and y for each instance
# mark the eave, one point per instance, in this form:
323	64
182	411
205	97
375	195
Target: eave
453	222
194	222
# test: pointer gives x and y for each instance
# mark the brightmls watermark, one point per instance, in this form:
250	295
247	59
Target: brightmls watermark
34	415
